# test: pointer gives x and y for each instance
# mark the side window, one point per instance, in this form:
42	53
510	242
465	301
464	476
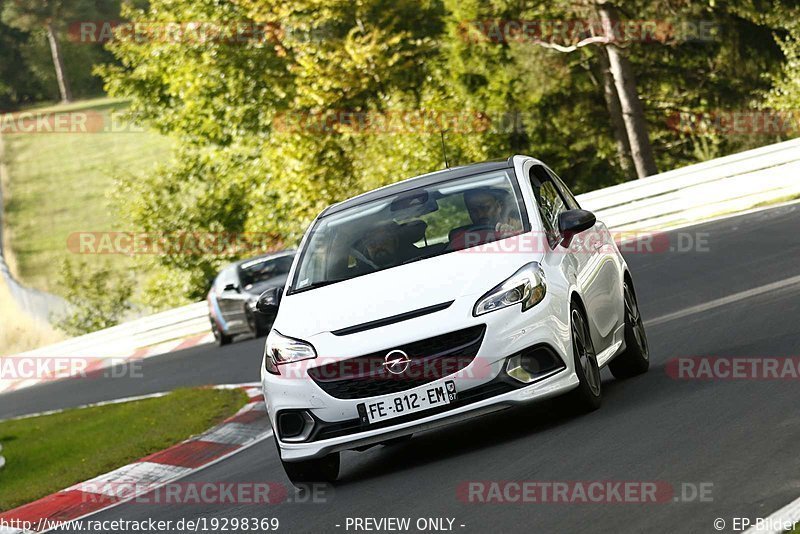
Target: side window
549	202
227	276
565	192
283	264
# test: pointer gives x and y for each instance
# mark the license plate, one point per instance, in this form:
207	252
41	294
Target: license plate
407	402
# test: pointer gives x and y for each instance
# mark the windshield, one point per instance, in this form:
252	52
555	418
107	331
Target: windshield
261	270
409	226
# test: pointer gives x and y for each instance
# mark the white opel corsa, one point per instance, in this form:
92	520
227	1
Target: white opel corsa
440	298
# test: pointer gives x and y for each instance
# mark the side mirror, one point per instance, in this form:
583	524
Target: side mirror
231	287
573	222
269	301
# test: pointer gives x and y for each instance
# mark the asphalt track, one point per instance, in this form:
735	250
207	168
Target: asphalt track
740	436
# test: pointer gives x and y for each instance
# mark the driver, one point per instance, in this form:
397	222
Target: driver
487	209
383	247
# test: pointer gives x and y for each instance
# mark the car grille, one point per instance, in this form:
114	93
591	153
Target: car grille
498	386
430	359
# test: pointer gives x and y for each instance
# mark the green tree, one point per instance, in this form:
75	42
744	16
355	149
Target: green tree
48	21
98	298
238	167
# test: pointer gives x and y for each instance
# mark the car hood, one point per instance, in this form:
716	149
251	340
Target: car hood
402	289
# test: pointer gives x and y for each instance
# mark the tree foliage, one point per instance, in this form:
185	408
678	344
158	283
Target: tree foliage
98	298
27	73
239	168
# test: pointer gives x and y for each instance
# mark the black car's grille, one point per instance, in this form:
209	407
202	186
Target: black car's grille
430	359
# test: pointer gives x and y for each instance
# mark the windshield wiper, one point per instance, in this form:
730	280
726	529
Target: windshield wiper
423	257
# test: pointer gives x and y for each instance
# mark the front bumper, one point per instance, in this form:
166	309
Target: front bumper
483	388
549	387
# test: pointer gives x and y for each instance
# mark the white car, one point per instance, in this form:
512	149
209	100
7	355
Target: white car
440	298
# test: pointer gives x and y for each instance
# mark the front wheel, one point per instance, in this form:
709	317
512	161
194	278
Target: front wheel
257	323
588	395
219	336
636	358
325	469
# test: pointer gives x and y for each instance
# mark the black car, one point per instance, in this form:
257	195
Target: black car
233	296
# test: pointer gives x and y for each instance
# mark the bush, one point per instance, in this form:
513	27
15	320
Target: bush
98	298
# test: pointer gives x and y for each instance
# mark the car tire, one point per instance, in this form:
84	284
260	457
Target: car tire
635	360
221	338
257	323
588	396
325	469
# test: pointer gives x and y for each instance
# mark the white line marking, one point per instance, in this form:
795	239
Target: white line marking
127	399
788	515
724	301
244	385
92	405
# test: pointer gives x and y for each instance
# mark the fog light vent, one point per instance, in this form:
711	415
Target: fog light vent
533	364
295	425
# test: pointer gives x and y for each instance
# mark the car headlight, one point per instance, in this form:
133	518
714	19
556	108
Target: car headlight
280	349
527	286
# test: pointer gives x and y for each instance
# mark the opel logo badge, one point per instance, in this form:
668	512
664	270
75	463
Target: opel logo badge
396	362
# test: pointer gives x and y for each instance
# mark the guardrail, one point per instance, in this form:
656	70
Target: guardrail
124	339
701	191
690	194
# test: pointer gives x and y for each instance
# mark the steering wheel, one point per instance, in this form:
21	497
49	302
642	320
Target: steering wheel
363	258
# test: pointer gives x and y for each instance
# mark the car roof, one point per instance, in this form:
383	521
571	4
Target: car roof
257	259
424	180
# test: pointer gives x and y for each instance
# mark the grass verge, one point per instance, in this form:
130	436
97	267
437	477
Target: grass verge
48	453
59	183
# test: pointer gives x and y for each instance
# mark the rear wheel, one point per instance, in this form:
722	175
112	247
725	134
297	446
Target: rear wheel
636	358
220	337
325	469
588	395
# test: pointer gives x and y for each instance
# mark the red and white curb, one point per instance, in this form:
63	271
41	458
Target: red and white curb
248	426
95	364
